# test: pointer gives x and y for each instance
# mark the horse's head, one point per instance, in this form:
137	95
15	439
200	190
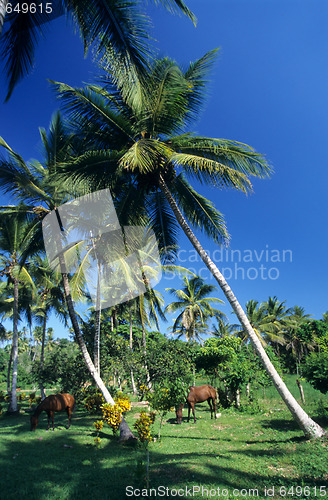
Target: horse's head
178	412
34	422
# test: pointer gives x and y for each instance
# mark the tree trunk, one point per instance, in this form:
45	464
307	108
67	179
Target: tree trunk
134	389
193	346
125	432
96	354
13	408
301	391
3	5
310	428
149	384
9	368
43	394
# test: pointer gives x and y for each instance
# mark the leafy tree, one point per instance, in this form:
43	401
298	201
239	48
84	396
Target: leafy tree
315	370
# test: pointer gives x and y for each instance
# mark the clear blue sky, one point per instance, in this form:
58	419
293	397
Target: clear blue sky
268	89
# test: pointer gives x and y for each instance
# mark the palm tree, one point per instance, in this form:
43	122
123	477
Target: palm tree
38	187
50	299
294	339
223	328
195	306
275	321
17	240
139	148
257	317
116	26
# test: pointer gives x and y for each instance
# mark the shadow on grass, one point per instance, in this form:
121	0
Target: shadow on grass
66	464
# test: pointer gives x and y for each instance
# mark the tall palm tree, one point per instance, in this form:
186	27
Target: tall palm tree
50	299
117	26
136	130
17	240
38	187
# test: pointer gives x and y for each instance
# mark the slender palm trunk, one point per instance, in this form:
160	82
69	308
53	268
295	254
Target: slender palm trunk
44	326
96	355
309	427
3	5
134	389
13	403
125	432
144	344
9	369
193	346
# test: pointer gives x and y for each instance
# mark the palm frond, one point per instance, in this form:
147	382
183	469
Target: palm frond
200	212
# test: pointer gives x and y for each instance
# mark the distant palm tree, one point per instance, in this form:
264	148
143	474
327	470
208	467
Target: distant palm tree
195	307
294	339
325	317
276	320
257	317
223	328
17	241
116	26
50	299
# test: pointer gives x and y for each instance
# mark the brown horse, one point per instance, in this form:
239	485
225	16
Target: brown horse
52	404
198	395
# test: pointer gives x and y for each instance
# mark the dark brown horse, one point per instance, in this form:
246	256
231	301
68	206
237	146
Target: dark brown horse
52	404
198	395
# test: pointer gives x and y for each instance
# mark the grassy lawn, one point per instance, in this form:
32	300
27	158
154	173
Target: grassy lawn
242	454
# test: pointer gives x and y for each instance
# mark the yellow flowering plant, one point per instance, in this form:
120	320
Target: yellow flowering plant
112	414
98	425
142	425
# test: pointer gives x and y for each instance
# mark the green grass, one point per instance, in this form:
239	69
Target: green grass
238	450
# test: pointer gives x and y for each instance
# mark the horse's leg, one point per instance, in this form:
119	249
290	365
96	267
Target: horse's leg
69	414
210	405
52	414
48	413
189	407
214	405
193	411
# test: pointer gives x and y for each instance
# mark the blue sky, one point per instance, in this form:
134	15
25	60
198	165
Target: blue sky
268	89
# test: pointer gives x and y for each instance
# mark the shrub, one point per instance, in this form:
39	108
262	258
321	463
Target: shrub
315	370
112	414
142	425
31	399
92	400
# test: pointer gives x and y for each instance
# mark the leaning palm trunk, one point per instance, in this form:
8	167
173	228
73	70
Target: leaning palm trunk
125	432
310	428
3	6
13	403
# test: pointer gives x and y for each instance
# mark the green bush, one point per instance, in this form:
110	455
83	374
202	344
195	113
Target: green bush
315	370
